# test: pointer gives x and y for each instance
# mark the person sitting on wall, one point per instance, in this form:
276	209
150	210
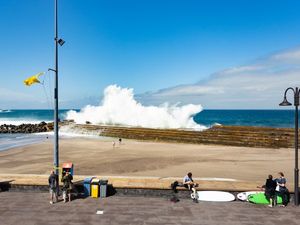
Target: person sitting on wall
281	189
270	190
189	183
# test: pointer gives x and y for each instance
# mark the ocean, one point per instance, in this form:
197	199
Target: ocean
261	118
208	118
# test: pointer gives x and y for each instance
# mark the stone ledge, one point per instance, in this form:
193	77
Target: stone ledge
122	182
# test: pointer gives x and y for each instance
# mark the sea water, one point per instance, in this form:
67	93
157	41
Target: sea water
17	117
261	118
208	118
8	141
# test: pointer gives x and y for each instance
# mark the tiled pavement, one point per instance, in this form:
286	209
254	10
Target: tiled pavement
34	208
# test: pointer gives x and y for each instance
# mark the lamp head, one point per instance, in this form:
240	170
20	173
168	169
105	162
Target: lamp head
285	102
61	42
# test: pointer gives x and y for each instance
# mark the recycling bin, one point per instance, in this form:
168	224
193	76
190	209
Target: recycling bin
87	186
103	188
68	167
95	188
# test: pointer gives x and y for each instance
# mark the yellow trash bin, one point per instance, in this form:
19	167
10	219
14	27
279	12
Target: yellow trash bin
95	188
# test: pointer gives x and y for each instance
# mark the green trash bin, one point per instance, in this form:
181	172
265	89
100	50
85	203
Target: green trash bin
103	188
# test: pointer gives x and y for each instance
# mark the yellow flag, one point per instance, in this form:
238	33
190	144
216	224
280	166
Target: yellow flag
33	79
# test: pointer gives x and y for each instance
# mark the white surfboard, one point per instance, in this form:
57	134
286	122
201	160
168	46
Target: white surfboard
243	196
215	196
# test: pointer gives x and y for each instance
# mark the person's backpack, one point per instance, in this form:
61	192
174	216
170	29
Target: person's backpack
174	186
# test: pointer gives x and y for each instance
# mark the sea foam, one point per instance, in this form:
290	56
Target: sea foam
118	107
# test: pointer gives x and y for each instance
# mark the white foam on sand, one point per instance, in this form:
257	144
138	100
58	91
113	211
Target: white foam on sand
119	107
65	132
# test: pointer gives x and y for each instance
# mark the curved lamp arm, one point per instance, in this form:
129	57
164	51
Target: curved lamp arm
290	88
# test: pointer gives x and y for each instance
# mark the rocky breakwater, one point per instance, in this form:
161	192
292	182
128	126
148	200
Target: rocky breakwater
26	128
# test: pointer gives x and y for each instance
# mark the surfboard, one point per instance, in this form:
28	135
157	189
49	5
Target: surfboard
215	196
243	196
260	198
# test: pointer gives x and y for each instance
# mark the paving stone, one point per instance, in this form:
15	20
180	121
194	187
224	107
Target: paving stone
34	208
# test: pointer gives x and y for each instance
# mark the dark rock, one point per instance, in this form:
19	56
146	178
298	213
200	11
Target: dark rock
26	128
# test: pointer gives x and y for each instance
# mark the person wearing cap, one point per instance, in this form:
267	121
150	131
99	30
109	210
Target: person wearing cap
189	183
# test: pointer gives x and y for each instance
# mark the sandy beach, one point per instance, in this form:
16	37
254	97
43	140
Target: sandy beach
139	158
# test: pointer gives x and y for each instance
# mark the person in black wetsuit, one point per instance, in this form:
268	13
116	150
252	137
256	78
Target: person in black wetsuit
270	190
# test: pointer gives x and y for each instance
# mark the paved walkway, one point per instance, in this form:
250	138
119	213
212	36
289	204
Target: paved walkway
34	208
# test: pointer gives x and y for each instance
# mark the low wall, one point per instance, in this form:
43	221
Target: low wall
146	183
219	135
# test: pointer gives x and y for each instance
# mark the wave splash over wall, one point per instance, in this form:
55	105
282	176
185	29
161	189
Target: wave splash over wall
119	107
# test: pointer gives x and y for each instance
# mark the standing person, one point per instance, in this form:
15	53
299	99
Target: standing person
67	186
120	141
52	180
270	190
189	183
281	189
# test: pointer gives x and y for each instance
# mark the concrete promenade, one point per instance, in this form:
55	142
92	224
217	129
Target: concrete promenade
33	208
30	206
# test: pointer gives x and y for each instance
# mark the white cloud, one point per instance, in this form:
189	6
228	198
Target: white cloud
258	85
290	56
189	90
243	69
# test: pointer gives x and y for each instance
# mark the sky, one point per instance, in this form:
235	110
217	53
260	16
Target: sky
233	54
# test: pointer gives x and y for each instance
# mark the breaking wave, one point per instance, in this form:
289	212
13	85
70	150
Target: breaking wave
119	107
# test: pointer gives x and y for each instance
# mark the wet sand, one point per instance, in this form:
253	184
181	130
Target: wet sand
140	158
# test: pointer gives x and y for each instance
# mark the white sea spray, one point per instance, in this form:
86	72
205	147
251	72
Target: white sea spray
119	107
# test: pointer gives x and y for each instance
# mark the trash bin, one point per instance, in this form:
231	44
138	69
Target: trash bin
68	167
87	186
103	188
95	188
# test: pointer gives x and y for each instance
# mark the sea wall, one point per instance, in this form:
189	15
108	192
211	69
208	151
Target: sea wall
219	135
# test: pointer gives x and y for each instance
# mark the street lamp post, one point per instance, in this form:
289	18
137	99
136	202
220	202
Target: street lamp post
56	119
285	102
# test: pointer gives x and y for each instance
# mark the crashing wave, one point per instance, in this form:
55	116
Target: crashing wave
119	107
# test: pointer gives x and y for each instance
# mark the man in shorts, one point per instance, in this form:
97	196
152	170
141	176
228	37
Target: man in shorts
189	183
67	186
52	186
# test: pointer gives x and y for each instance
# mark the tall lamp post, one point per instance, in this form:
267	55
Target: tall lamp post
56	119
285	102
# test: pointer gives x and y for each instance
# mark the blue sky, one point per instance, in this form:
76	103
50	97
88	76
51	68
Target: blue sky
150	46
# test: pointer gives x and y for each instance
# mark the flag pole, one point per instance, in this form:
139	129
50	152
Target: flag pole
56	139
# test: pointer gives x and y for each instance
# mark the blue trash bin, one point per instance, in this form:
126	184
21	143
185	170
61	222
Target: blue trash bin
87	186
